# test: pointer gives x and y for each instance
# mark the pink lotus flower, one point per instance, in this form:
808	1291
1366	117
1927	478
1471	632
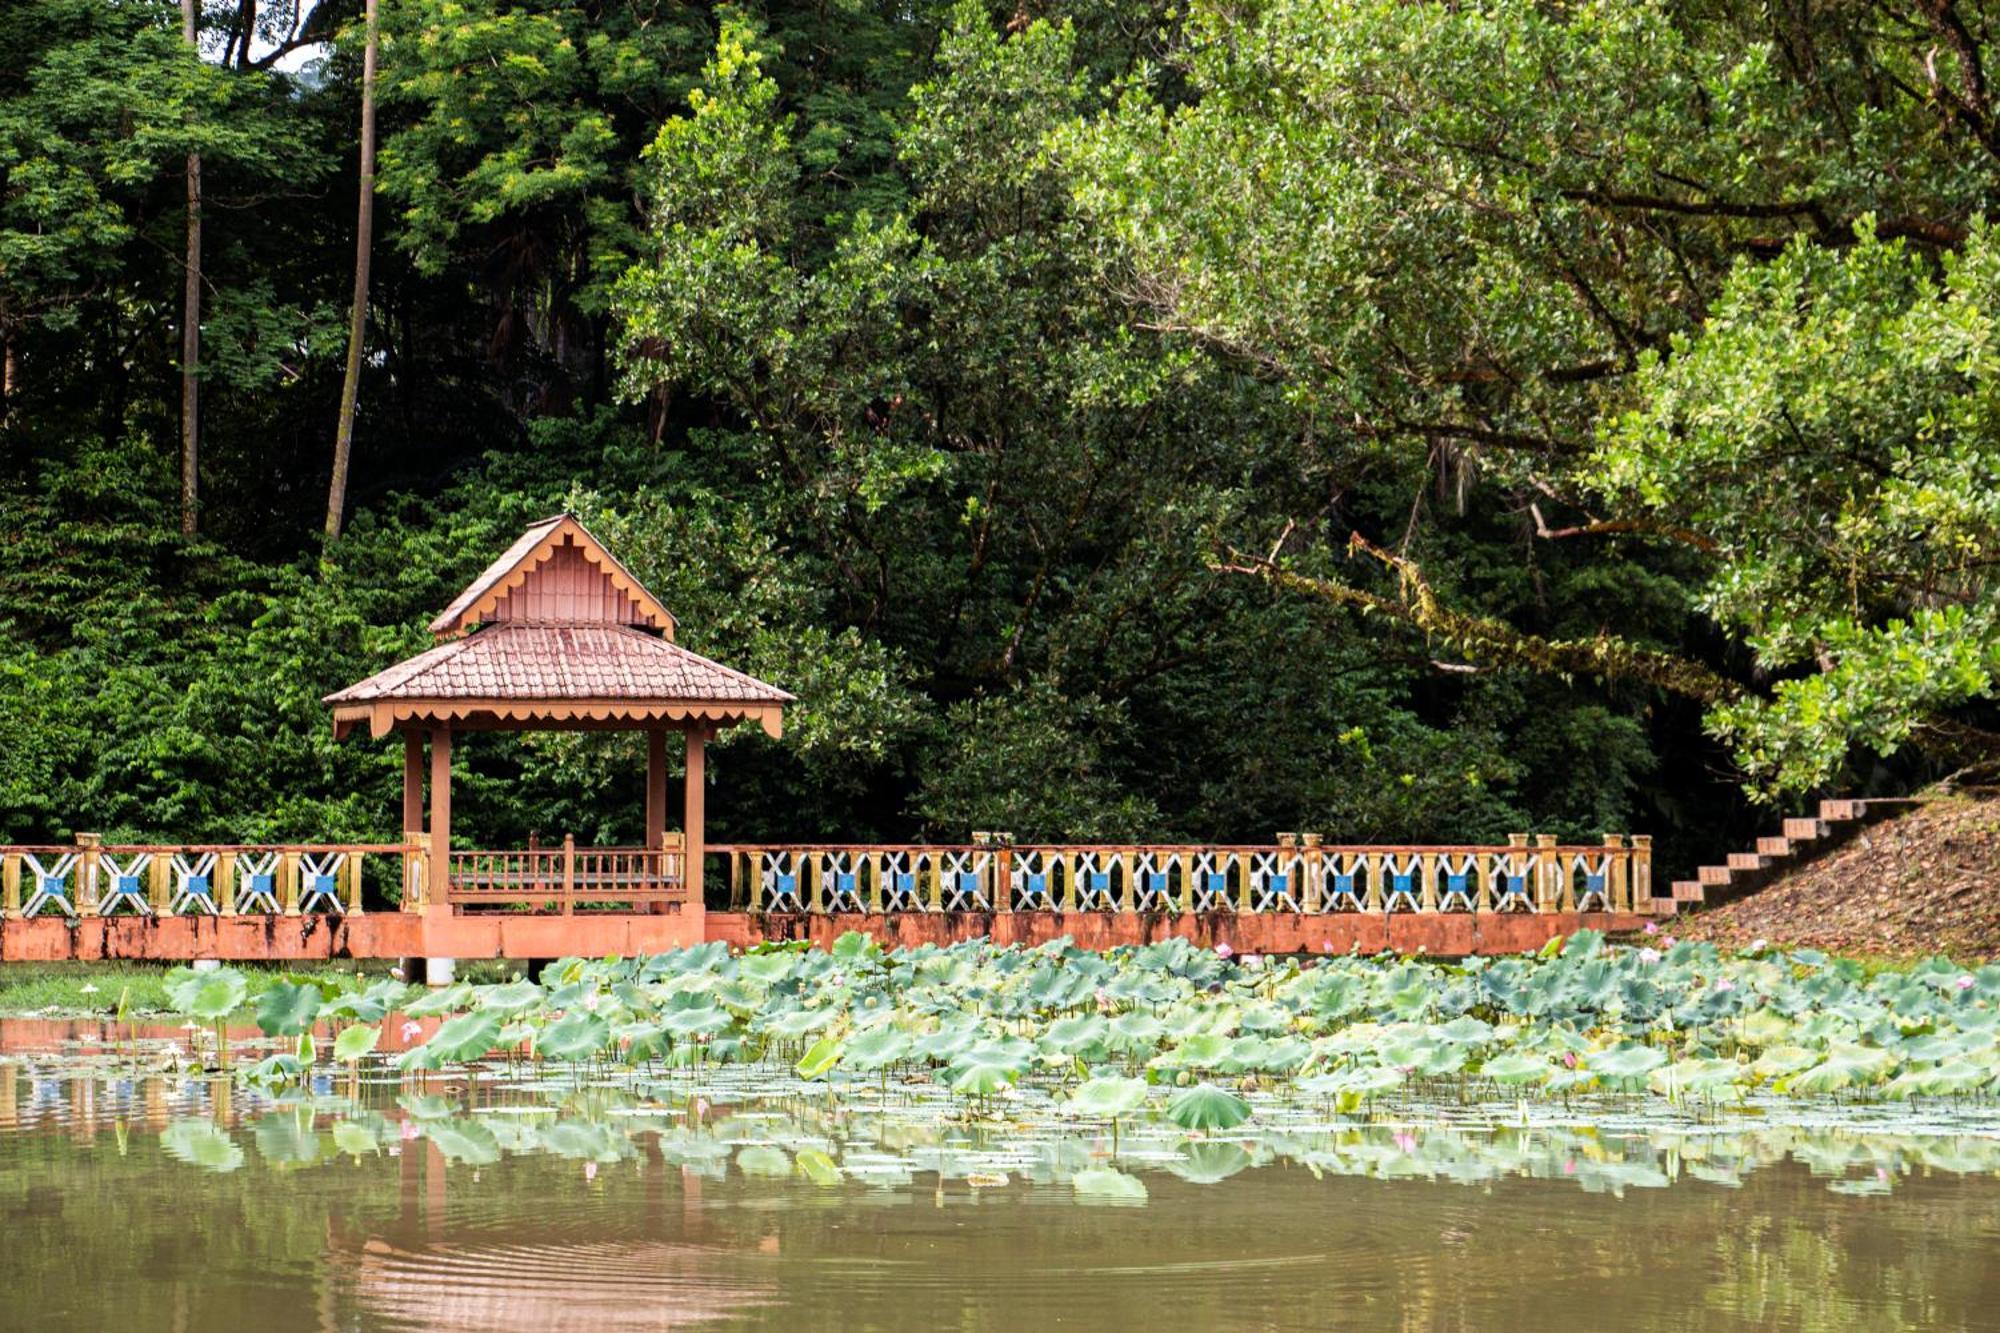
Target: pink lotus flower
1251	960
1406	1141
1326	946
1965	982
1224	952
1569	1059
1652	927
408	1130
1666	941
411	1029
1649	956
590	1170
1724	984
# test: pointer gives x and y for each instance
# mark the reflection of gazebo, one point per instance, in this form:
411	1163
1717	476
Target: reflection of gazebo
556	635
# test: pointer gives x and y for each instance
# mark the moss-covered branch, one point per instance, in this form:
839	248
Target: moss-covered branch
1489	640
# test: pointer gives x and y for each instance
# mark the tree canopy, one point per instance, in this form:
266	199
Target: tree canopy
1185	420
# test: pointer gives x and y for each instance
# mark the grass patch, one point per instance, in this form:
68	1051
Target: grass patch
94	988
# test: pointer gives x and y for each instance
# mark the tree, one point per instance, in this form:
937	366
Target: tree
191	321
357	328
1833	429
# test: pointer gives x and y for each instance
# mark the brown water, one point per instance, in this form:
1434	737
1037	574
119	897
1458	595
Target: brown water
169	1202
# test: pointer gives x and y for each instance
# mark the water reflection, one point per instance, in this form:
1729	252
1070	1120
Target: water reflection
525	1198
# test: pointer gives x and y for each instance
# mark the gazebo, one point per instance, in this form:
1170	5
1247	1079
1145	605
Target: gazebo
556	635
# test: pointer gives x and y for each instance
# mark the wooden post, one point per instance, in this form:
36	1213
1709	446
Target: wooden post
159	882
1427	864
937	882
815	898
354	883
875	883
1549	895
1243	901
694	841
437	893
1129	900
1069	879
1312	867
1374	862
415	873
569	874
225	883
88	845
1617	883
1001	892
1642	872
10	888
288	882
413	781
656	788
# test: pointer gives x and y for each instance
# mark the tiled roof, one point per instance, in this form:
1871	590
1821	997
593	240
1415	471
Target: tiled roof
562	662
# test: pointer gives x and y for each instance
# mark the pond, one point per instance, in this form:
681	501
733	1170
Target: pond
1657	1138
516	1199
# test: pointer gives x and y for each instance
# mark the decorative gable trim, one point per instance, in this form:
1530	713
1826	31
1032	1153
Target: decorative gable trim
507	575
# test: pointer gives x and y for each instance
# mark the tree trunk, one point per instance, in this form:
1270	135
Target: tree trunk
191	326
364	235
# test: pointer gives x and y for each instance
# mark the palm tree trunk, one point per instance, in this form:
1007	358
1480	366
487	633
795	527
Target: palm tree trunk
364	236
191	325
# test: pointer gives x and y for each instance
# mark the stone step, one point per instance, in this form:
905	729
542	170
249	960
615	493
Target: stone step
1689	891
1748	861
1804	830
1715	876
1840	812
1774	847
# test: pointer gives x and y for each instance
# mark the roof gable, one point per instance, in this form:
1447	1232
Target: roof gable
555	573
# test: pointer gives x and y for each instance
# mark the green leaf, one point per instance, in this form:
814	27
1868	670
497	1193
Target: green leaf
1205	1106
286	1010
354	1042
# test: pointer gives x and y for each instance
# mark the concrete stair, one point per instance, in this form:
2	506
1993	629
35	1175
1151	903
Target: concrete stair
1802	839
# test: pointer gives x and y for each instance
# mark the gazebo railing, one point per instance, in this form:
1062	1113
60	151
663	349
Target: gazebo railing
566	878
1294	874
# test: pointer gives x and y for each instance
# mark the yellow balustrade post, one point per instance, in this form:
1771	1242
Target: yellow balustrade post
1244	902
1552	886
1312	866
1001	891
88	846
1069	880
288	882
159	882
10	886
354	883
1129	892
815	898
413	870
1642	872
225	883
875	883
1427	865
1374	862
1617	882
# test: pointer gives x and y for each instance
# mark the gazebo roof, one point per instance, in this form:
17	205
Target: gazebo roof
556	633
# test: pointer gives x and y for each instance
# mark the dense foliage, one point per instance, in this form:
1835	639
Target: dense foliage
1400	420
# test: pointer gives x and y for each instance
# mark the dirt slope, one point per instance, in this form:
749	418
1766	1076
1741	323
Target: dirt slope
1922	883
